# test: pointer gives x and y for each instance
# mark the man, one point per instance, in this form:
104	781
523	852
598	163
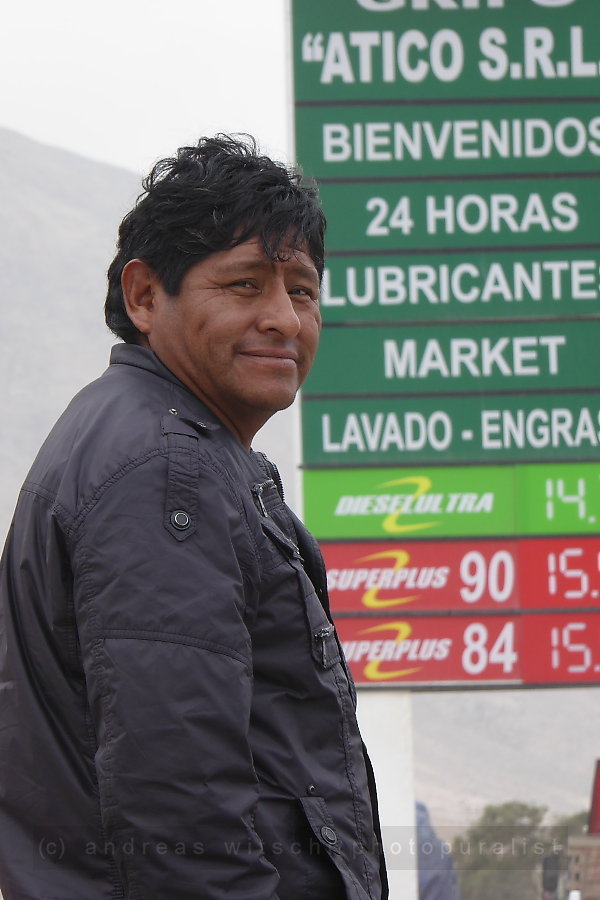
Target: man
177	720
436	872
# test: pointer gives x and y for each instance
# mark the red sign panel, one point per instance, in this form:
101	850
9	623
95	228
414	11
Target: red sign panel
524	649
467	576
421	575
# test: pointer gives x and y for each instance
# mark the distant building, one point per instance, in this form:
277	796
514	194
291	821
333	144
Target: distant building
583	865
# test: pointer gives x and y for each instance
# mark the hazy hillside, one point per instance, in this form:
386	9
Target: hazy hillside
478	747
58	223
57	226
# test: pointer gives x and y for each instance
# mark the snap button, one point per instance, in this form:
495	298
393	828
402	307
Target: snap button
311	789
180	520
328	835
173	412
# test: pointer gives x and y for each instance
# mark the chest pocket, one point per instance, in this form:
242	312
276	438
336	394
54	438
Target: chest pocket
324	646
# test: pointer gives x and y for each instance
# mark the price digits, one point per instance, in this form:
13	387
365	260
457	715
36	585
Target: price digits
565	640
477	576
476	657
556	491
579	580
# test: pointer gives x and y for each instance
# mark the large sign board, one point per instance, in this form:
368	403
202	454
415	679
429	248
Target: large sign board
451	424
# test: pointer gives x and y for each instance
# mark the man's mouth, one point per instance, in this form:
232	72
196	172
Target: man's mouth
272	356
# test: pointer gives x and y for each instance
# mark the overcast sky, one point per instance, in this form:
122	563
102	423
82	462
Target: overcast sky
128	81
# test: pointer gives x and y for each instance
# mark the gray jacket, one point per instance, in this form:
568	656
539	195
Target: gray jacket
176	720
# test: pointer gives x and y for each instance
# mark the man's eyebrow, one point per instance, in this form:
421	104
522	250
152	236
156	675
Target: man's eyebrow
251	263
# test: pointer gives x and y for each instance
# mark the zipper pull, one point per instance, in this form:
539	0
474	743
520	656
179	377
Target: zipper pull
321	635
257	490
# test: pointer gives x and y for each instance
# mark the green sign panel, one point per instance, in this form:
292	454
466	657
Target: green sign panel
491	428
448	214
387	141
411	50
510	356
436	287
453	502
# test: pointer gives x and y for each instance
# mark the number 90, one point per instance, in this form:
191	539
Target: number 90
498	578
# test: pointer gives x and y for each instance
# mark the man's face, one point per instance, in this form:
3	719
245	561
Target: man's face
242	333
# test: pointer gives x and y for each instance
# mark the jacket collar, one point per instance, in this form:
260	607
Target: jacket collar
146	359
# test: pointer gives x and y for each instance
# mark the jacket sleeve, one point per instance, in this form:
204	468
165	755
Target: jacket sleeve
161	604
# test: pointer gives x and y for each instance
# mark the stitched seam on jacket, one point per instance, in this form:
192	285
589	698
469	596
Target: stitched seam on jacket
38	490
173	638
32	487
91	741
349	766
112	479
109	800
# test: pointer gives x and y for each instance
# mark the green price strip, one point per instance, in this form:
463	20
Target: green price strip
477	501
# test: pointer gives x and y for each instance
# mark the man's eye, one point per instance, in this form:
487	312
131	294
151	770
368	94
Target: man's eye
244	283
303	292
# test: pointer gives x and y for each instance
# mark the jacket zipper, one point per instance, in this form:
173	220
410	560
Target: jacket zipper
257	490
321	636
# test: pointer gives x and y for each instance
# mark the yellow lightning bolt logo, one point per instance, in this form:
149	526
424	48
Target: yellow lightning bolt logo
371	597
391	523
371	670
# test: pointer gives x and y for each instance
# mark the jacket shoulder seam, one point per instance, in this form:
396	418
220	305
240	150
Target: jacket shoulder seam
38	490
129	466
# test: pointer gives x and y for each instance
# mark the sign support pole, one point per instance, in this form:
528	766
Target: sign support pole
385	719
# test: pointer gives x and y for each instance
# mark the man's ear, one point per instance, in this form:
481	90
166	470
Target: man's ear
139	284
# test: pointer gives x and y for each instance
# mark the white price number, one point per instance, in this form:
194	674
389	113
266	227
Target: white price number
498	578
574	592
382	222
562	639
476	656
555	490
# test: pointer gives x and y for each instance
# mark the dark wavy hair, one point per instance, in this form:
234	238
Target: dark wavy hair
211	197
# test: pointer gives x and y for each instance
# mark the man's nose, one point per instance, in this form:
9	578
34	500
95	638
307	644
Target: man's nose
278	312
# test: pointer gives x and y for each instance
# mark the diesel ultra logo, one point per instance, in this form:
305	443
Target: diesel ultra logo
420	500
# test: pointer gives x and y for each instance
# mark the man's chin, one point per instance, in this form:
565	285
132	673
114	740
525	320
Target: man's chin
276	400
